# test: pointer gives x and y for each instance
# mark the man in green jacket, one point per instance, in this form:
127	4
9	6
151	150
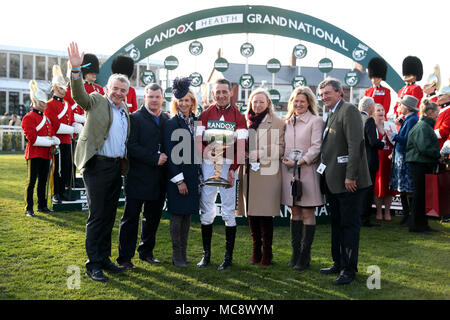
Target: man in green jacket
422	152
100	156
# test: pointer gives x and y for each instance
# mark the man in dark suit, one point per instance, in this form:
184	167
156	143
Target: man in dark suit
145	183
100	156
373	144
345	178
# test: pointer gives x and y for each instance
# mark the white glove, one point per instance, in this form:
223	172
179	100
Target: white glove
80	118
56	141
446	148
65	129
43	141
77	127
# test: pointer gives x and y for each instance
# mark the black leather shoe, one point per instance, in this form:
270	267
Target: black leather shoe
97	275
370	224
44	210
29	213
332	270
344	278
111	267
128	265
56	199
151	260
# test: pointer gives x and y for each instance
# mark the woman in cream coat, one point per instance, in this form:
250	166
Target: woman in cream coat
260	178
303	134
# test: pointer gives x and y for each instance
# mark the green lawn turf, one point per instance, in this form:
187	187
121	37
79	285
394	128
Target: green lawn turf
36	253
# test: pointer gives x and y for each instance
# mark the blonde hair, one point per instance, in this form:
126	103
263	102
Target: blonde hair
310	97
426	106
174	104
254	93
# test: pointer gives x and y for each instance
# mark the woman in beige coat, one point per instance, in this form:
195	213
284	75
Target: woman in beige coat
260	178
303	137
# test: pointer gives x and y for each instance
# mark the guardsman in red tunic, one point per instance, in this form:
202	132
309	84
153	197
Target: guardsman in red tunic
62	119
442	125
412	70
433	83
377	73
41	137
125	65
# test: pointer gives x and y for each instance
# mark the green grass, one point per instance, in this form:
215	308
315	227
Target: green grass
35	254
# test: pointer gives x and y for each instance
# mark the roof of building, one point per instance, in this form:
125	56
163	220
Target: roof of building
287	73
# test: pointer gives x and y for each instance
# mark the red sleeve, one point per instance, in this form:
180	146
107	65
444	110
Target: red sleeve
418	93
241	123
134	101
51	113
387	101
29	129
443	124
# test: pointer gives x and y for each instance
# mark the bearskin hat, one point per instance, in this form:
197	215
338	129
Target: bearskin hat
123	64
377	68
412	65
94	64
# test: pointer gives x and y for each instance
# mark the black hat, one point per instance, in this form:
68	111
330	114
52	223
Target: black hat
94	65
412	65
123	64
180	87
377	68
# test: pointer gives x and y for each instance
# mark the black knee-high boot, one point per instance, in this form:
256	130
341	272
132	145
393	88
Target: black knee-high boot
305	253
206	238
230	236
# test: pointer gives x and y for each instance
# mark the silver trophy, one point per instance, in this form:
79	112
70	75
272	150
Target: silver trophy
221	140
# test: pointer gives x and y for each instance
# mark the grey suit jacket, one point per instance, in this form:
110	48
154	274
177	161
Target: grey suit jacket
343	149
99	116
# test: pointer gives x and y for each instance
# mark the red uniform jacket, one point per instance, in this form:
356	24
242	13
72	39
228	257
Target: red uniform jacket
91	87
58	112
35	124
72	104
132	100
409	89
380	95
442	126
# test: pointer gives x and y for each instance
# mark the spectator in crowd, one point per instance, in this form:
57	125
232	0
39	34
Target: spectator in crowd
401	177
373	144
183	197
260	189
5	119
422	153
303	137
382	193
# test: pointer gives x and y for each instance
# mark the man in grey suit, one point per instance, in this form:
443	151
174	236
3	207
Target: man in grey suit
345	178
100	156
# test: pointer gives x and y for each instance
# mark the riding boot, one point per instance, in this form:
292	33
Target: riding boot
230	237
206	238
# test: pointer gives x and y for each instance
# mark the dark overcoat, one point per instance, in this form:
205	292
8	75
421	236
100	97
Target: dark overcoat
145	180
181	160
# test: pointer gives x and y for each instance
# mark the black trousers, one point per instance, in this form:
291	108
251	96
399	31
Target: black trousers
103	182
368	200
38	169
419	220
345	209
61	180
129	223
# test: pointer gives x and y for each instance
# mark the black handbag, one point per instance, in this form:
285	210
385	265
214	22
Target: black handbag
296	185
